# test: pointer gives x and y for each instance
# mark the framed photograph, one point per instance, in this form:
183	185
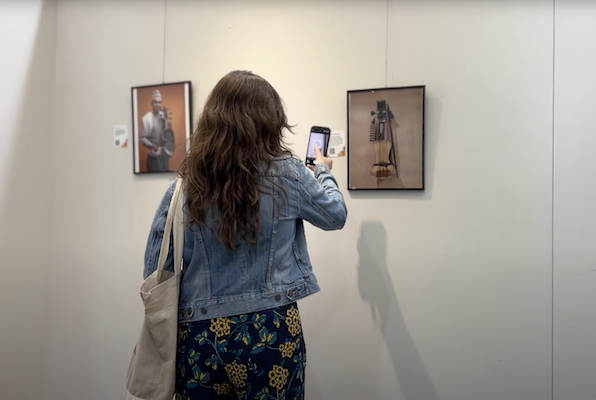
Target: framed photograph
162	123
386	138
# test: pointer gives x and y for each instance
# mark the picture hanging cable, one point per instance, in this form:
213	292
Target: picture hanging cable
387	46
553	170
163	67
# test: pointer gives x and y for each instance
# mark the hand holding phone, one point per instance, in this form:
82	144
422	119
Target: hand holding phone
319	137
320	159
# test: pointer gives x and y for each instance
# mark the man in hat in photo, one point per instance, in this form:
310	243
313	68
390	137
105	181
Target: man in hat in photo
154	124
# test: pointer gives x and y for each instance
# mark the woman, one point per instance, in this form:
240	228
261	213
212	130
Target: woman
245	257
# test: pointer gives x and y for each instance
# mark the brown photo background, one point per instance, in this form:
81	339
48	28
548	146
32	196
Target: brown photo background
172	98
407	107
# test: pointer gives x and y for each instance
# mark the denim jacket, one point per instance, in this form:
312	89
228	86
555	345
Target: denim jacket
217	282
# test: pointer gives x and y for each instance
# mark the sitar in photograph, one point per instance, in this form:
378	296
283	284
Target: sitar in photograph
381	136
387	151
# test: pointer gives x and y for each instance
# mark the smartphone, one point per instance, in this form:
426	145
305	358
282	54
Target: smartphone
319	135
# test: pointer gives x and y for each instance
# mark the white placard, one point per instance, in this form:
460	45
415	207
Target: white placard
120	136
337	144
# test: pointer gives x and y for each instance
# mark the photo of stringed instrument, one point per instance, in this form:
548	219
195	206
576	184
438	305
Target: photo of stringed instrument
385	138
167	136
382	138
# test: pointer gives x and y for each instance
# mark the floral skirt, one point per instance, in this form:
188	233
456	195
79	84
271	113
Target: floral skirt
251	356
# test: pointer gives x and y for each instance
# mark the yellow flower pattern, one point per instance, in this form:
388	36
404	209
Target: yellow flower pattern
278	376
222	389
293	321
287	349
237	374
220	326
258	356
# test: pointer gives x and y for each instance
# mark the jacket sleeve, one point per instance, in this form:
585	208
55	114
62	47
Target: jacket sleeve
320	201
156	236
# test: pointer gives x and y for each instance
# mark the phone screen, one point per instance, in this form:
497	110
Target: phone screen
318	139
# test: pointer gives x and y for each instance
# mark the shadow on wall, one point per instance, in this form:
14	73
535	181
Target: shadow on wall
376	288
433	112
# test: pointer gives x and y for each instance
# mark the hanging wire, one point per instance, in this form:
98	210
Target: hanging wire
387	47
163	68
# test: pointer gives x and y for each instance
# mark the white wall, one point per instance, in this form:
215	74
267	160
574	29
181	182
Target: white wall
469	260
444	294
575	196
27	63
102	213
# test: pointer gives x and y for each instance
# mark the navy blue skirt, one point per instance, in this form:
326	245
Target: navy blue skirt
260	355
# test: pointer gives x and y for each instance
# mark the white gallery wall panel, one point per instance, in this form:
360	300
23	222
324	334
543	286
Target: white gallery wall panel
470	258
443	294
575	196
102	213
27	58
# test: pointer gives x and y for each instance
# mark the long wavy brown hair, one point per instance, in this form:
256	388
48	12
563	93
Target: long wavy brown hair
240	129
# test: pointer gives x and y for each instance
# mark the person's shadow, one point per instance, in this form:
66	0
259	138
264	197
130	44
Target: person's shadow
376	288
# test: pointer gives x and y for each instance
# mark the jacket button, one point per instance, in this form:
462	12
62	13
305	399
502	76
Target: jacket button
187	313
292	292
277	297
203	310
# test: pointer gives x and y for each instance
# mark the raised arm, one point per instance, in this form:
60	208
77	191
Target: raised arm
321	202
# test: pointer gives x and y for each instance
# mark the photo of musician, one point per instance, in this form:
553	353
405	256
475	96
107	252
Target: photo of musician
162	126
386	138
155	122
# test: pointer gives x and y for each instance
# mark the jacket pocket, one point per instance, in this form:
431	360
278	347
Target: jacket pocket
304	266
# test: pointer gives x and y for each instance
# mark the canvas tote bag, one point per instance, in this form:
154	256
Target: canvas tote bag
152	370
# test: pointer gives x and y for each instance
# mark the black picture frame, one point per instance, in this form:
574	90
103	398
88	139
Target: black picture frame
187	123
349	135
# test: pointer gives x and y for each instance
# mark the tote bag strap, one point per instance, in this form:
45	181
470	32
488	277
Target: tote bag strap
174	221
178	228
